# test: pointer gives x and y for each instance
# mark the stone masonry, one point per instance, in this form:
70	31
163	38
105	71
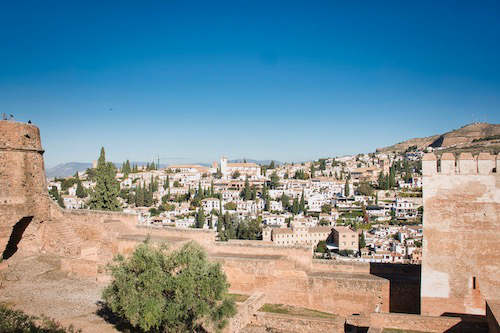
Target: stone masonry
461	251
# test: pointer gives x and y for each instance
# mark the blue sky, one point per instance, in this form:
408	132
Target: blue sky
284	80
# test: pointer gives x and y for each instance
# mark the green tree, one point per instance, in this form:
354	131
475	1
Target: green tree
275	180
346	188
246	194
166	185
321	247
322	164
285	201
326	208
158	291
302	204
80	191
139	196
200	218
365	188
105	194
54	193
235	174
312	170
60	202
295	206
230	206
362	242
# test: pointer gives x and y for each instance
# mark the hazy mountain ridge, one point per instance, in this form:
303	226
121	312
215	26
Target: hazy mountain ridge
472	137
69	169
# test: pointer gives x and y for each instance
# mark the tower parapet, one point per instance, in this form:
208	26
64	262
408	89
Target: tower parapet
465	164
461	252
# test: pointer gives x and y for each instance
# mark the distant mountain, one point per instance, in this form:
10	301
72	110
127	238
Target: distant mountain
66	169
69	169
469	138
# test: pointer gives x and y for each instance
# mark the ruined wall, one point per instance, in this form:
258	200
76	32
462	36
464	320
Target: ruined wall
283	282
24	202
288	323
31	222
461	252
414	323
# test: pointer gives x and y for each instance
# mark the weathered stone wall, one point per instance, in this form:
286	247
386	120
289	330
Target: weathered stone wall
287	323
246	310
23	193
461	251
325	265
283	282
415	322
31	222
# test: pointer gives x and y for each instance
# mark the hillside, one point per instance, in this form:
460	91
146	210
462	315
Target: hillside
471	138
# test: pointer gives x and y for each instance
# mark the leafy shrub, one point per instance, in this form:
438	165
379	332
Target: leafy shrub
174	292
17	321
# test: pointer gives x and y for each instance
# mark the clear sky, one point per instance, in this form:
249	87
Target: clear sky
286	80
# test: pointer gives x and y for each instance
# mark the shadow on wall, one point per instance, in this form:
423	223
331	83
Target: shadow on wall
404	285
469	323
16	236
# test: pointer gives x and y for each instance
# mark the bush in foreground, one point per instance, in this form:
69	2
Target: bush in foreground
16	321
158	291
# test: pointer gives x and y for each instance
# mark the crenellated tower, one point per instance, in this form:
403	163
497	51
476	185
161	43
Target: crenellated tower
461	248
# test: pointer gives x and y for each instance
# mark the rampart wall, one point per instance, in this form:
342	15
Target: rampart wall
461	252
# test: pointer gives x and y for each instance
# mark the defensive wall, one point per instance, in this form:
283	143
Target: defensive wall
461	251
30	222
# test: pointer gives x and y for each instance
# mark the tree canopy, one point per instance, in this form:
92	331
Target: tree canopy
105	194
174	292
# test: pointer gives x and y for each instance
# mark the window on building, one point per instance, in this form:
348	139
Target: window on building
473	282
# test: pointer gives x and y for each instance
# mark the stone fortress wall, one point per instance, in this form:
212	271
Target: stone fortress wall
461	248
30	223
457	200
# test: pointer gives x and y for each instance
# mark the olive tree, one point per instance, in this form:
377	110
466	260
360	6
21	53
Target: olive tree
154	290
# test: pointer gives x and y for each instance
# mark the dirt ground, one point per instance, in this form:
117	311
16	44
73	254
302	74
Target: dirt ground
37	286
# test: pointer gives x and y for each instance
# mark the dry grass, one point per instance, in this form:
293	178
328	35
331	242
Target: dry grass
239	298
295	311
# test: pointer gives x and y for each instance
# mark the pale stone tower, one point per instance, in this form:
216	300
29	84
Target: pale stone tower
223	165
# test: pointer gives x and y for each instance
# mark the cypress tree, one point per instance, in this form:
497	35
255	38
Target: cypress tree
80	191
302	205
60	202
362	242
166	185
200	218
106	191
346	188
295	206
247	193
